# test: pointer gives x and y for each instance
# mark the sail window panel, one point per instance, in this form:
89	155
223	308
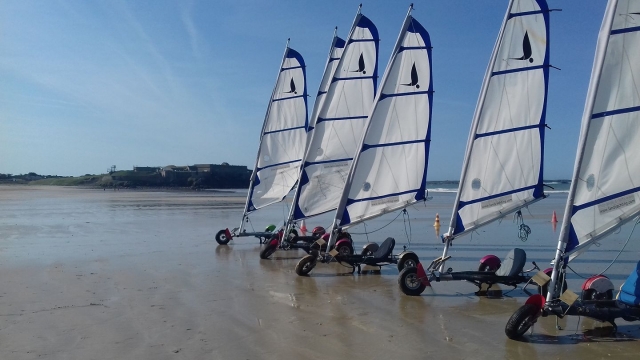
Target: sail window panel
282	147
410	72
337	139
398	119
627	15
521	6
286	114
620	80
610	163
322	192
502	163
513	100
524	43
274	184
360	32
388	170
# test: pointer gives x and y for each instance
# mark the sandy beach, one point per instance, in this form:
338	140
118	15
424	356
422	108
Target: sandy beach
93	274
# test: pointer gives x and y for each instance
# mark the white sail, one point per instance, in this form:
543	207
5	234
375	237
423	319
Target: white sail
335	53
284	136
605	191
502	170
390	168
340	123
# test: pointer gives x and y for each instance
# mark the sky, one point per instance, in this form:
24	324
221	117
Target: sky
89	84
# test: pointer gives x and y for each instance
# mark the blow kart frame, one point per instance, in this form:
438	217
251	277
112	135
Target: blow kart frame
596	302
225	235
344	245
413	281
371	255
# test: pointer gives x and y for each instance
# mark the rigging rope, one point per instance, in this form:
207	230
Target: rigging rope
371	232
523	229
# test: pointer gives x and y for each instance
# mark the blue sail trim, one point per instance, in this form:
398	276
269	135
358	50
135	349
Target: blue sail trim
333	59
309	163
290	97
292	54
407	48
286	129
353	78
373	198
366	147
340	43
625	30
362	40
340	118
589	204
505	131
526	13
510	71
615	112
278	164
384	96
510	192
321	93
291	68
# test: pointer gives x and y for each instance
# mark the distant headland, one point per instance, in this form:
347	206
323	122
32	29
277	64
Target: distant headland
198	176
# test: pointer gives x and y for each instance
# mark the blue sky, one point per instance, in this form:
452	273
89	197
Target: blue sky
88	84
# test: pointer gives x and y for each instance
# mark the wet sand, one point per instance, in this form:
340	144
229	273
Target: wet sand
93	274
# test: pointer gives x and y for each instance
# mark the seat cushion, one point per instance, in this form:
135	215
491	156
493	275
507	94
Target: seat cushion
385	248
513	264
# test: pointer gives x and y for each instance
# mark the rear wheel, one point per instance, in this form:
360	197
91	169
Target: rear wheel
410	283
345	249
268	251
486	267
408	260
221	237
592	294
521	321
305	265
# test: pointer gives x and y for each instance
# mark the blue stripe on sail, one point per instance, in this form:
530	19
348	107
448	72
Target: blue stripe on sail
341	118
366	147
373	198
278	164
384	96
465	203
333	59
505	131
496	73
362	40
287	98
625	30
286	129
615	112
405	48
309	163
525	13
352	78
321	93
290	68
577	208
339	43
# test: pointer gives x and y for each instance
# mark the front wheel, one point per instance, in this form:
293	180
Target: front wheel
268	251
305	265
410	283
521	321
345	249
221	237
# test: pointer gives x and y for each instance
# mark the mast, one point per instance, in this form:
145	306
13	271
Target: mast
601	50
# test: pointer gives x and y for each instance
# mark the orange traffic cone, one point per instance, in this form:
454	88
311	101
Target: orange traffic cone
303	228
554	218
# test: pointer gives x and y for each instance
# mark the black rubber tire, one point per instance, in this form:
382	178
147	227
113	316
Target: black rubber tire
268	250
590	294
409	282
221	237
485	267
345	249
521	321
543	290
305	265
408	260
369	249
